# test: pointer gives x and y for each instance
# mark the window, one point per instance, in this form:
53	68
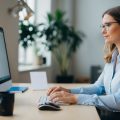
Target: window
27	57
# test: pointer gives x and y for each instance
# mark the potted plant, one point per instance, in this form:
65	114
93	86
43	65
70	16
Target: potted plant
28	32
62	40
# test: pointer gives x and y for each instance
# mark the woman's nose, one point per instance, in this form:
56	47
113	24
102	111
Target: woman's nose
103	31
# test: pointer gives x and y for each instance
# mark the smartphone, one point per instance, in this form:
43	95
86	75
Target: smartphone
17	89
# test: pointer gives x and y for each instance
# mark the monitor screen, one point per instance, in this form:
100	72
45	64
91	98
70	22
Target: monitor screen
5	75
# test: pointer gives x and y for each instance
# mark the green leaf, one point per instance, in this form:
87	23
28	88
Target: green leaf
62	39
50	17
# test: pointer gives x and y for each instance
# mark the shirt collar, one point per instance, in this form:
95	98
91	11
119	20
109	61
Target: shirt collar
114	55
118	58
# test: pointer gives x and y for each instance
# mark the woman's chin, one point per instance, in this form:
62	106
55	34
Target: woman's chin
107	41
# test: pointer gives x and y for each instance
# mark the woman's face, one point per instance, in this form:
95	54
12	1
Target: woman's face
110	29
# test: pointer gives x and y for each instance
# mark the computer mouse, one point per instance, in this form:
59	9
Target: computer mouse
53	104
49	106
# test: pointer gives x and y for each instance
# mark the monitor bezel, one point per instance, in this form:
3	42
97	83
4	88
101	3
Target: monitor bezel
9	78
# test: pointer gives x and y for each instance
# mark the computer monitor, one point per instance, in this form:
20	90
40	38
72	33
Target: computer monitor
5	75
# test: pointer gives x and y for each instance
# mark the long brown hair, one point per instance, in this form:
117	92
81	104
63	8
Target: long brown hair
109	48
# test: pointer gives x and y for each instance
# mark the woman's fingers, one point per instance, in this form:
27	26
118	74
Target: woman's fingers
50	90
64	97
55	95
58	88
58	96
53	89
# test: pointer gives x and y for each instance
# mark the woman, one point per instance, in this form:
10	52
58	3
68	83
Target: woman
105	92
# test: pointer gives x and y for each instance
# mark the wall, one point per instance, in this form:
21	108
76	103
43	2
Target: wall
88	19
10	26
68	7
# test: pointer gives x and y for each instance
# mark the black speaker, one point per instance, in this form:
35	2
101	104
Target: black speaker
6	103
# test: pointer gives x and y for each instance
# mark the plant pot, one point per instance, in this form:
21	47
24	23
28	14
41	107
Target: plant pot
65	79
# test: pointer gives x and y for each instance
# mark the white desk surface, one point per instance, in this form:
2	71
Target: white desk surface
25	108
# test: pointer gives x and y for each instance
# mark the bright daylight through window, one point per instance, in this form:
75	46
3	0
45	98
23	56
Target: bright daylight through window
31	50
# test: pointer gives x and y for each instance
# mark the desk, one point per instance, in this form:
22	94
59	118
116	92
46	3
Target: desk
26	108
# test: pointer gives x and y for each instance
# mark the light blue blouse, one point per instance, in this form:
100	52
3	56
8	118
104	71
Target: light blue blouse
105	92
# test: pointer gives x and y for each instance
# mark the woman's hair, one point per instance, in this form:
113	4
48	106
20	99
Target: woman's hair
109	48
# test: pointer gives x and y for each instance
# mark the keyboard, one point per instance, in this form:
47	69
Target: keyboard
45	99
45	104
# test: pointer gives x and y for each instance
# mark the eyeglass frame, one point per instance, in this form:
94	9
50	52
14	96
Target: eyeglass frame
107	25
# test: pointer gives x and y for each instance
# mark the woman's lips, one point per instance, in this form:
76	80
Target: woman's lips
105	36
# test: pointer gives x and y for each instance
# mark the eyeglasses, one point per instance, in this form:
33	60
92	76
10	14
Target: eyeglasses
107	25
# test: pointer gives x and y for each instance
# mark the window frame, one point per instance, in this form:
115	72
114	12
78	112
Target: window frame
31	66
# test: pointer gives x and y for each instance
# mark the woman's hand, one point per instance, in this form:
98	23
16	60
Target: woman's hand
56	89
63	96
